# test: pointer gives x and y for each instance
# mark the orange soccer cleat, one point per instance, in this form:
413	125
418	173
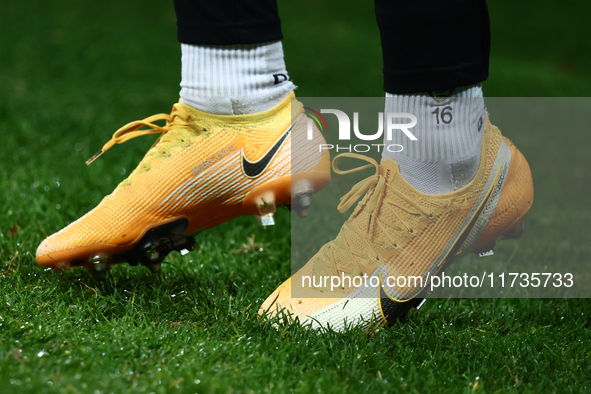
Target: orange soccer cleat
204	170
397	231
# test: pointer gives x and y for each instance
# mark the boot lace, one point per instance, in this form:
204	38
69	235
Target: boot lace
374	187
177	118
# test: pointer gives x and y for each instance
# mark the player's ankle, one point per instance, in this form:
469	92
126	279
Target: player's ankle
234	79
449	130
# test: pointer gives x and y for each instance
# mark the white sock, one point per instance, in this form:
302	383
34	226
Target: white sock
449	130
234	79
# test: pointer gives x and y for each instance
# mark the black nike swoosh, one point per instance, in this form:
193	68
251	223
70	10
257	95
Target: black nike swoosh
254	169
392	308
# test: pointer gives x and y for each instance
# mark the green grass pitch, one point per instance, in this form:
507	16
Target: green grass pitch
72	72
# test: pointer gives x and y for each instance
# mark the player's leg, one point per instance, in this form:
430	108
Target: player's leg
232	57
436	54
454	190
224	150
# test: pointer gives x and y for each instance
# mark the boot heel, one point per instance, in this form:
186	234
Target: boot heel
515	232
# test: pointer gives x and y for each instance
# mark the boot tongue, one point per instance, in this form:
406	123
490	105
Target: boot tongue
389	170
386	174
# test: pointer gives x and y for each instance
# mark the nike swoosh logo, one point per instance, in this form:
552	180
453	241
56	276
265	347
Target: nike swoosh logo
254	169
392	308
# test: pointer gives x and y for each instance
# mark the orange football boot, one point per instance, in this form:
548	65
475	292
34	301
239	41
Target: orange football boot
397	231
204	170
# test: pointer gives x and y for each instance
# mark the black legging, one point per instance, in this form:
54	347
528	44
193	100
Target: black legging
426	44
